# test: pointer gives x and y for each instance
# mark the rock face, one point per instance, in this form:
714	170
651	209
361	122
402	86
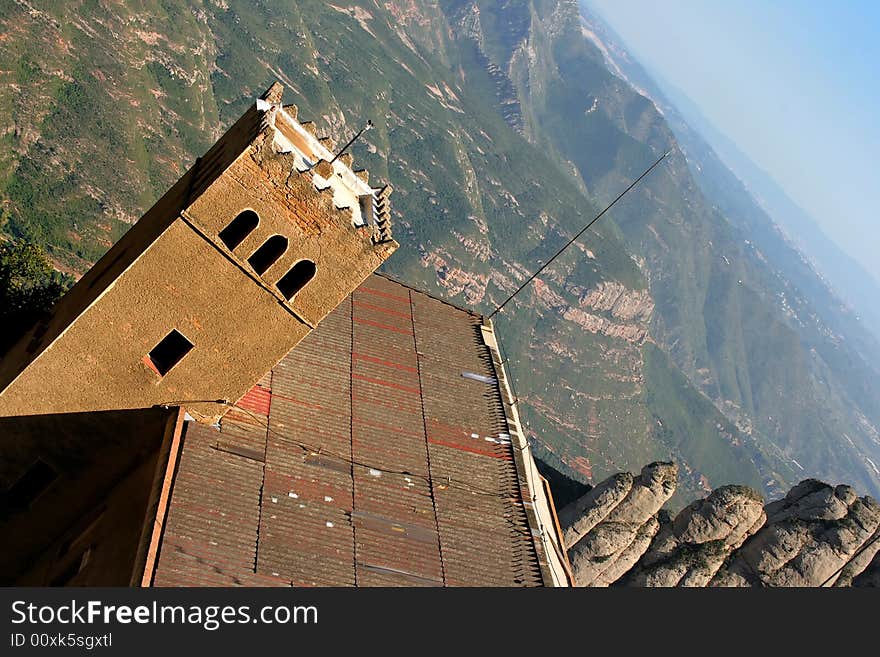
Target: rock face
813	537
689	550
628	311
610	527
818	535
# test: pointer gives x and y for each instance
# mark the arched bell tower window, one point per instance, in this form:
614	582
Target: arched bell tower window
268	254
297	278
240	227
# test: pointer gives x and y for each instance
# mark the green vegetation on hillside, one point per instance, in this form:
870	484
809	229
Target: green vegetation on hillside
502	130
29	286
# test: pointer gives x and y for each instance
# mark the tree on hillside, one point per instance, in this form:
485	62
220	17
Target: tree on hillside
29	286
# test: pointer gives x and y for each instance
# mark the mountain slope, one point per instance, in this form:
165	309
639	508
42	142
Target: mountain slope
761	344
623	351
845	370
838	270
765	342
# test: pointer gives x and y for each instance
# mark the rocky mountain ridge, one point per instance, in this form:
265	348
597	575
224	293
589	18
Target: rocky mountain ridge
618	534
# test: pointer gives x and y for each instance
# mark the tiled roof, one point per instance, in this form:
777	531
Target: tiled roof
377	452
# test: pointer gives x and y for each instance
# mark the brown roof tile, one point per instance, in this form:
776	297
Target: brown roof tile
375	453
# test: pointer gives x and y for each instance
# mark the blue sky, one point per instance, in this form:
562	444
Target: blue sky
795	84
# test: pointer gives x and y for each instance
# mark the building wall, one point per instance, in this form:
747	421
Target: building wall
289	205
187	280
131	245
101	550
85	523
180	283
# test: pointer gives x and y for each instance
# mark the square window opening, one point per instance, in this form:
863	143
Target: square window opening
169	352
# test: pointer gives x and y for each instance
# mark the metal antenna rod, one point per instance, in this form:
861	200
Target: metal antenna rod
581	232
352	140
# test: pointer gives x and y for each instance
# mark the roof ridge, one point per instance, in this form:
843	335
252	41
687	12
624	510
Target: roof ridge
409	286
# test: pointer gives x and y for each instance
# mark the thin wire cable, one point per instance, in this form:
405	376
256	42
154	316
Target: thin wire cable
368	126
308	448
419	357
448	480
581	232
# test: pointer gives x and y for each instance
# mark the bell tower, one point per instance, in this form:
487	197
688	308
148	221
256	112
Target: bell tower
232	267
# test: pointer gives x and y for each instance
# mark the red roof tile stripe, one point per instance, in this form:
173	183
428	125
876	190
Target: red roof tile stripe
257	400
381	464
385	327
469	449
483	527
386	363
380	382
361	304
365	289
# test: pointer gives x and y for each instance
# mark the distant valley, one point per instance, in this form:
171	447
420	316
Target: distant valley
686	327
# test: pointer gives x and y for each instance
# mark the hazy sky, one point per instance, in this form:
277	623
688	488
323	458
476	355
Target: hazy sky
795	84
